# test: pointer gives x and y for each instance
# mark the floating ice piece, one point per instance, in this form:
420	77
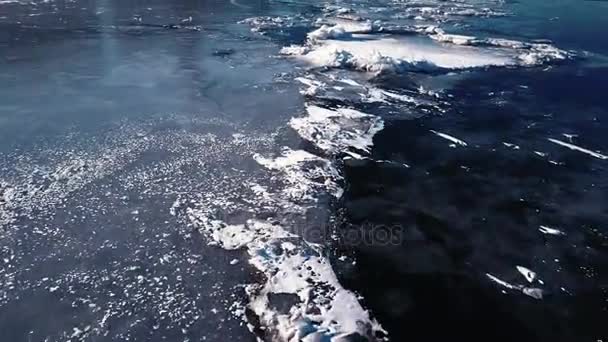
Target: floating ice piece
570	136
450	138
529	274
513	146
350	82
313	85
377	54
174	207
533	292
293	267
550	231
336	130
525	53
301	271
233	236
358	45
502	282
304	174
578	148
294	50
342	28
289	157
528	291
381	95
325	32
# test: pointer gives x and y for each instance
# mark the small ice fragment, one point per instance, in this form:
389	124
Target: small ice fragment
533	292
294	50
550	231
529	274
234	262
77	332
570	136
578	148
450	138
513	146
350	82
174	207
501	282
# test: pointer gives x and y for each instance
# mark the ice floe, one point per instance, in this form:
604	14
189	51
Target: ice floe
385	53
527	273
578	148
550	231
337	130
340	29
525	53
299	298
533	292
332	87
306	174
510	145
448	137
367	46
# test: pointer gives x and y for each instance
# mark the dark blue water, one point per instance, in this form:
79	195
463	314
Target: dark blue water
459	213
423	239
